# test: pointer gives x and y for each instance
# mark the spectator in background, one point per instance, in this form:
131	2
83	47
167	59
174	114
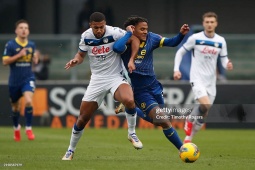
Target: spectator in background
41	69
83	16
186	60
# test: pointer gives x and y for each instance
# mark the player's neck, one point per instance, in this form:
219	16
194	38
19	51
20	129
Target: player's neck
210	34
21	39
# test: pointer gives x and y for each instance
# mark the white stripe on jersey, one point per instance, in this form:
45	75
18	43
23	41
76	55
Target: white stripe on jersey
205	52
103	60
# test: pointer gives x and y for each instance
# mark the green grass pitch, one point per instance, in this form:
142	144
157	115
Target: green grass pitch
103	149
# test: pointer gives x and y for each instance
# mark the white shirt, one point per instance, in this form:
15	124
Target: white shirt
205	52
103	60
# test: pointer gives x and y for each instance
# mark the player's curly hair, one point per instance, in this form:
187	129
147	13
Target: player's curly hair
97	17
134	20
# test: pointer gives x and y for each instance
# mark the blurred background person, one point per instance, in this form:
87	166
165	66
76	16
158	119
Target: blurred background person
41	69
186	60
19	54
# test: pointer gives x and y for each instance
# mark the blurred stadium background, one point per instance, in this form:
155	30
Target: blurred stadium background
54	29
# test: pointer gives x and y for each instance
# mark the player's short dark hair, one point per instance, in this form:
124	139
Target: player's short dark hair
21	21
134	20
97	17
210	14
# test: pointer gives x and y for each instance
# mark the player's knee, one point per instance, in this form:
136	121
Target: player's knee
28	103
164	124
129	103
15	108
204	108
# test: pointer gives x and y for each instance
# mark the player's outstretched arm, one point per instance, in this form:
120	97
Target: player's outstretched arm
78	59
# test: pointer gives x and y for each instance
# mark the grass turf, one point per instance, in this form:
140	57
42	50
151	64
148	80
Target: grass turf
103	149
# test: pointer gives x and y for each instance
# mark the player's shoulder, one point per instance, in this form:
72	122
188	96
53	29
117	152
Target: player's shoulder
12	41
219	37
154	36
198	35
87	34
30	42
114	30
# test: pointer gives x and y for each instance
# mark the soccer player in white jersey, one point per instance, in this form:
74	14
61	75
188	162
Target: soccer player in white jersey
206	47
106	68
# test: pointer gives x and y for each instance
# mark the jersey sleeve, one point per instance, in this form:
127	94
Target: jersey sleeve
82	46
7	51
224	51
157	40
190	43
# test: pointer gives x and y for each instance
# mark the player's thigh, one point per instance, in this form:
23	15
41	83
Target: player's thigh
124	93
96	91
15	93
199	91
145	101
120	89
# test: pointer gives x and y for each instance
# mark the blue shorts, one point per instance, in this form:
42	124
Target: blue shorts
148	97
16	92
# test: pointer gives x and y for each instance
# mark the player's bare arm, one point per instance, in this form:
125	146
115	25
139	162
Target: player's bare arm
78	59
184	29
14	58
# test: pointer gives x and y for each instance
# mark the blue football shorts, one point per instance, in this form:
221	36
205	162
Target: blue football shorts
148	97
16	92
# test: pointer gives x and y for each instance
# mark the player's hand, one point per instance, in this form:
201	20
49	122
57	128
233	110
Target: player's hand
131	66
130	28
184	29
177	75
230	65
71	63
23	52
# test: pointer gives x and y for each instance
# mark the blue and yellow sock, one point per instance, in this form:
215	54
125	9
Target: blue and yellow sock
142	115
173	137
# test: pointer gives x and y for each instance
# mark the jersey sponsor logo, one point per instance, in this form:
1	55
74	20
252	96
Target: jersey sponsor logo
207	50
100	50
